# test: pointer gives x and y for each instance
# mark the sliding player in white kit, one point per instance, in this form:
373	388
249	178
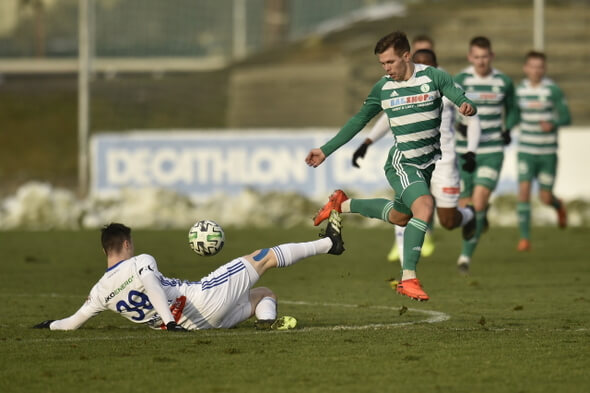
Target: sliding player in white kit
445	178
134	287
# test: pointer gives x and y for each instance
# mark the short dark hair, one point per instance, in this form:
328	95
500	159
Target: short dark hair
534	54
481	42
428	53
113	236
423	37
396	40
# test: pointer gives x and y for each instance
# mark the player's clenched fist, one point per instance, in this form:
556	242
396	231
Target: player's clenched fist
467	109
315	157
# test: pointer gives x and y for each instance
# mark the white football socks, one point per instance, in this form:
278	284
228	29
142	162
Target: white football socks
408	274
290	253
266	309
345	206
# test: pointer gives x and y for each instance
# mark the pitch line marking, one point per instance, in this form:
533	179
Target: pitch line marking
433	317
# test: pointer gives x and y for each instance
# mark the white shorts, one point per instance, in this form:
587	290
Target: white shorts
445	184
222	298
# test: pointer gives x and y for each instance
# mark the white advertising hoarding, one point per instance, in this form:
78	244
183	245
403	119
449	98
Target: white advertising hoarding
203	163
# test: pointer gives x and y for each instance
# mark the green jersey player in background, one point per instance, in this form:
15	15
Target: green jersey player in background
493	93
411	96
133	287
543	109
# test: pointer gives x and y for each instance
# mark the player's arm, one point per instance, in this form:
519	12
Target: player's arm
563	113
380	128
511	107
90	308
370	108
149	277
452	91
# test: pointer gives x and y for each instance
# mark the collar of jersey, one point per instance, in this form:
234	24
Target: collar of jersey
116	264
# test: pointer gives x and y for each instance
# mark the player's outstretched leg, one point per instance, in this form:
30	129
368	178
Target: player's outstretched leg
561	213
334	203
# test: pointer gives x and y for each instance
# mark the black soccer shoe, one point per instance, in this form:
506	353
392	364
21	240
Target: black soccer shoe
334	232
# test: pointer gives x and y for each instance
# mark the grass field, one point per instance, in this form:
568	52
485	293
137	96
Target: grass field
519	323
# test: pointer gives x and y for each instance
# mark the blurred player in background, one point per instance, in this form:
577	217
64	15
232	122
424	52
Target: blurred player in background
444	185
543	109
411	96
422	41
134	287
419	42
493	93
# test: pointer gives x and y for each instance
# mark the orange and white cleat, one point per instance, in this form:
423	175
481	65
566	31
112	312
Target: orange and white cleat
562	215
334	203
524	245
412	289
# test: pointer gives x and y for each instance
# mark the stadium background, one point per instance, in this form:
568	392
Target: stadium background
232	65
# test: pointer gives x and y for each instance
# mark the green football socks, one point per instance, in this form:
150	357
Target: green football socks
523	210
373	208
413	240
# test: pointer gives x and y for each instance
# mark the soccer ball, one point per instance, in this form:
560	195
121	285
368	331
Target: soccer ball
206	237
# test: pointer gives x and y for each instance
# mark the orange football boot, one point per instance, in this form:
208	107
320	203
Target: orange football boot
412	289
524	245
333	203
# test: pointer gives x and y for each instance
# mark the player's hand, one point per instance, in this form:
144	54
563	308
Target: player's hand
173	327
44	324
315	158
546	126
467	109
506	138
469	164
360	153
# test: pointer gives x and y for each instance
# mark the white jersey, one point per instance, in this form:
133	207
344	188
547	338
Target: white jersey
135	289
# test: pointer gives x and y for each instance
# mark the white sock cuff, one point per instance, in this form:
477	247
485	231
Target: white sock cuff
266	309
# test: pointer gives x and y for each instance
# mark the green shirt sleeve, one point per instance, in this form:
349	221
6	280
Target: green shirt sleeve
371	107
448	87
562	109
510	105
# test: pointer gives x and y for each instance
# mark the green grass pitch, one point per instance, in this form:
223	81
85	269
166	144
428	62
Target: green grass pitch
519	323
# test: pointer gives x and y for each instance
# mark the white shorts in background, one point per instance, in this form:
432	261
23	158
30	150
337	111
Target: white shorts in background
222	299
445	184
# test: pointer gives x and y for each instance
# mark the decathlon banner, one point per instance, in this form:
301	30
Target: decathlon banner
203	163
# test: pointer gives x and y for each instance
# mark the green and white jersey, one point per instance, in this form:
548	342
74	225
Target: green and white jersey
544	102
414	111
494	96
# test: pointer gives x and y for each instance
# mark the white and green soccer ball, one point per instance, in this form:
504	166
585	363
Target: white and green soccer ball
206	237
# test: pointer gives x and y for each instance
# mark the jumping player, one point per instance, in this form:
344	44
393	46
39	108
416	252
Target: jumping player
445	178
411	95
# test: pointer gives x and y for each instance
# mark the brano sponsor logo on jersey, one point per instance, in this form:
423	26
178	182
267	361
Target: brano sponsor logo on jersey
118	290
